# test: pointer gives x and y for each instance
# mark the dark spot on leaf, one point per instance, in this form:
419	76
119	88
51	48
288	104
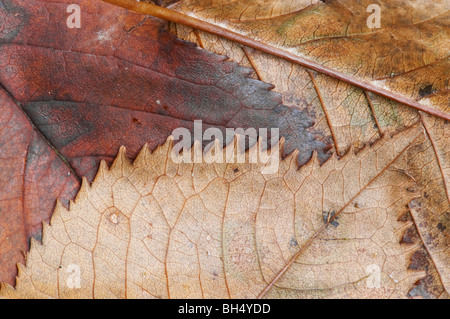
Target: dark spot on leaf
405	217
428	287
426	90
418	261
334	223
410	236
444	222
38	236
420	289
328	217
293	242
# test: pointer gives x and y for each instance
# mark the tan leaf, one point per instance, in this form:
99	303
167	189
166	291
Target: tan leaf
353	116
158	229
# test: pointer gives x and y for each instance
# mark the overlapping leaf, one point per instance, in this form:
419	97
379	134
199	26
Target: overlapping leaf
353	116
107	79
407	54
156	229
118	80
27	194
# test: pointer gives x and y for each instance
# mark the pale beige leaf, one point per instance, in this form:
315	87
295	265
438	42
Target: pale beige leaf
156	229
407	55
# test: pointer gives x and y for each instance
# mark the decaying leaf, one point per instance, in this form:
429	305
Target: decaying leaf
292	236
158	229
427	162
356	118
129	74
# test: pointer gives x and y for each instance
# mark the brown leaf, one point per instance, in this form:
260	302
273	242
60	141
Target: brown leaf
427	162
351	116
157	229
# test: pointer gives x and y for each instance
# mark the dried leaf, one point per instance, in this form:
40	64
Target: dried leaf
427	162
319	105
158	229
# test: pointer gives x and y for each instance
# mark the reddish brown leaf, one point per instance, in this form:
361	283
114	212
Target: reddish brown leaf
27	195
